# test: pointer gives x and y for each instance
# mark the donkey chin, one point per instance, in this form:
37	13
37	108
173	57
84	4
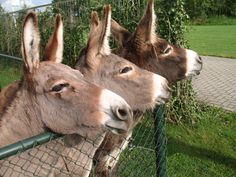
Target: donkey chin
194	63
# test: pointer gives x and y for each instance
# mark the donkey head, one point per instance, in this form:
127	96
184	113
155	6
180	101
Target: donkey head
64	101
150	52
140	88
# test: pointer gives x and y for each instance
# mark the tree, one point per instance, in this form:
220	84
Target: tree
201	9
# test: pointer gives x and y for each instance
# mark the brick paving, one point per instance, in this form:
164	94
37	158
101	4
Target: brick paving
216	84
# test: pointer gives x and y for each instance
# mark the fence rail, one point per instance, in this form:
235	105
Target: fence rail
26	144
10	57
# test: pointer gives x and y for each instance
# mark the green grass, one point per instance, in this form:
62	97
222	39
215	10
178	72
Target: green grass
139	160
10	70
207	149
214	40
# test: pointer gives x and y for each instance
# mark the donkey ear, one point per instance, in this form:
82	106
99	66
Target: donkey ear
54	48
145	31
98	42
119	32
106	31
30	42
94	23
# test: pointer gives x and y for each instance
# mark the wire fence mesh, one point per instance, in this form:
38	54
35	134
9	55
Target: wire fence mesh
145	154
52	155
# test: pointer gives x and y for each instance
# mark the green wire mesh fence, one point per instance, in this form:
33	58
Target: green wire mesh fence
46	154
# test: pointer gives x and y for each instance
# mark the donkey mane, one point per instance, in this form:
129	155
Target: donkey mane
9	94
82	60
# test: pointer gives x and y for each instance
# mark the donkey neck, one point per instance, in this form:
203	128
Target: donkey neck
20	120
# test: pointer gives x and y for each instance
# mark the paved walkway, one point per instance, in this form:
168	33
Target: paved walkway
217	82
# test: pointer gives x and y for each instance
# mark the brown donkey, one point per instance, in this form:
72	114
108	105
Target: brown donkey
147	50
56	97
140	88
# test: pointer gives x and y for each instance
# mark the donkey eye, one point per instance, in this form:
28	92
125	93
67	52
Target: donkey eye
125	69
59	87
167	50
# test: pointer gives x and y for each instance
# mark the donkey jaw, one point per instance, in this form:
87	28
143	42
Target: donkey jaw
117	114
161	90
194	63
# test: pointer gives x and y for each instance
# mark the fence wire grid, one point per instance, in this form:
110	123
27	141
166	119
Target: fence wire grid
145	155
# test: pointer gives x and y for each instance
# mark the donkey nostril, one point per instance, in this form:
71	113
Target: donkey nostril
123	113
199	59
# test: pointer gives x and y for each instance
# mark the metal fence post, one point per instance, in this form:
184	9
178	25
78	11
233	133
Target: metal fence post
161	141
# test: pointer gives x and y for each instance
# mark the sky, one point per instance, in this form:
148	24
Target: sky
10	5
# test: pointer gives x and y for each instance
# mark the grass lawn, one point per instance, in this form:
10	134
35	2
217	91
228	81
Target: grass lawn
10	70
214	40
207	149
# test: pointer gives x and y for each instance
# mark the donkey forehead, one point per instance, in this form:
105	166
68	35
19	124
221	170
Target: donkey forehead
141	48
162	43
49	70
115	61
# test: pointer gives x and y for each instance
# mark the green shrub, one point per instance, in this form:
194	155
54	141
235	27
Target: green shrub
183	106
199	10
213	20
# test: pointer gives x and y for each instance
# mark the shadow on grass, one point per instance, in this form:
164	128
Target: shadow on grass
178	146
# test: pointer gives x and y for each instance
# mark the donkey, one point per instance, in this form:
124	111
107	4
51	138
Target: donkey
148	51
53	96
143	89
